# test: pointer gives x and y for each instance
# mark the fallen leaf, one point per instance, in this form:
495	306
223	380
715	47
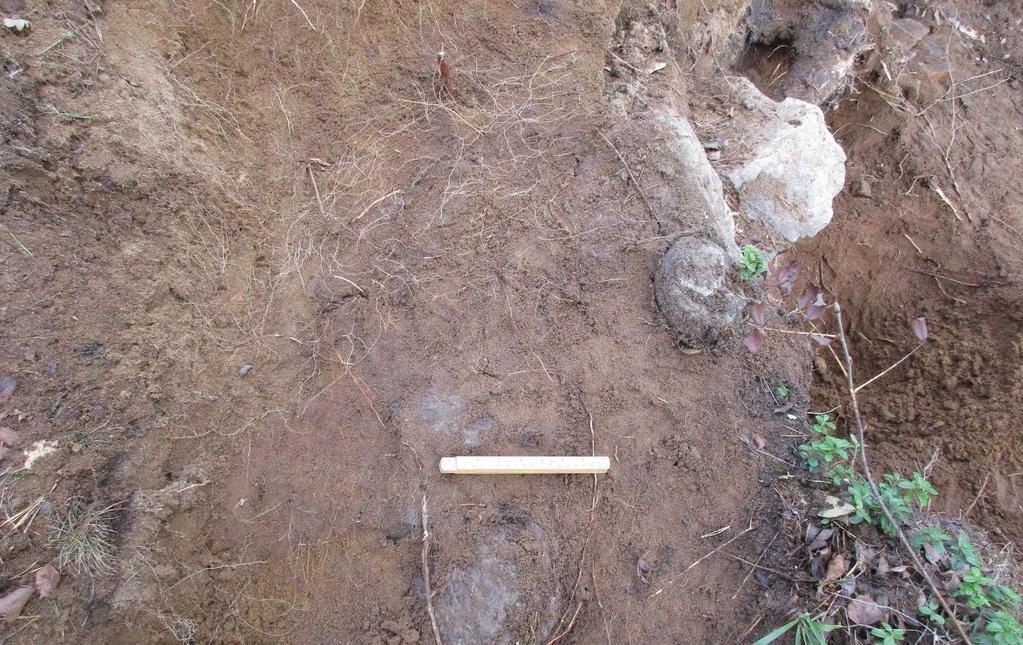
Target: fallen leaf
864	611
899	569
808	296
7	387
759	440
47	579
849	586
953	582
656	67
934	556
840	510
757	312
12	604
821	540
17	24
882	566
864	554
755	340
8	437
920	328
784	408
820	340
643	568
836	568
39	450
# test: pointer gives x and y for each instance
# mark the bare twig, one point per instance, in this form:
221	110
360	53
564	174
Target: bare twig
304	14
571	624
426	574
633	178
979	495
754	566
873	485
889	368
712	552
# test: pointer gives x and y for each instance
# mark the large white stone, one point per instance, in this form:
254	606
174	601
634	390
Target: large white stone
783	161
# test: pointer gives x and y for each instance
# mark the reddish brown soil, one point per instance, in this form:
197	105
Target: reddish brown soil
903	253
494	296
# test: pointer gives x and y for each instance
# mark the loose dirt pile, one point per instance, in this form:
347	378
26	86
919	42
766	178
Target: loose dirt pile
265	265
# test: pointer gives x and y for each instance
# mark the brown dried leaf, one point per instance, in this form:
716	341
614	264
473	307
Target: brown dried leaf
12	604
836	568
755	340
643	568
757	312
821	540
864	611
920	328
7	387
808	296
47	579
759	440
934	556
838	510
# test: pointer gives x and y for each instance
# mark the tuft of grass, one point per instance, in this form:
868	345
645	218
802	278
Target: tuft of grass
83	538
752	263
807	631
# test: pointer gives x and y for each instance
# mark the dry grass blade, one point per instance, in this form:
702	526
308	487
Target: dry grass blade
83	538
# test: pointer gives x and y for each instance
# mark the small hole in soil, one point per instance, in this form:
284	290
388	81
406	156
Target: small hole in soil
766	64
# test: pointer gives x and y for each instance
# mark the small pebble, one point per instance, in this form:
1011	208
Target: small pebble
245	369
863	188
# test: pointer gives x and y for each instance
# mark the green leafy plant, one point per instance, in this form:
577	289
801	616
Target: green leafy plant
930	536
973	589
888	635
808	631
861	497
963	554
819	453
918	488
842	474
752	263
931	611
822	451
782	390
1000	628
822	424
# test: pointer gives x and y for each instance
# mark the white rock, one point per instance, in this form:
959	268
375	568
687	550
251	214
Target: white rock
698	182
785	164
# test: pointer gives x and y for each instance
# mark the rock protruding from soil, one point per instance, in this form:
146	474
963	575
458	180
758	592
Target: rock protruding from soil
694	292
786	166
826	36
688	198
485	599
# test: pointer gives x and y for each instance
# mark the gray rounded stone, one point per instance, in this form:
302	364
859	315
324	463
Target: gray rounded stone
693	290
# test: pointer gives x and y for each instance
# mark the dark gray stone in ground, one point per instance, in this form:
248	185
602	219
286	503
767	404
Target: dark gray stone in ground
693	289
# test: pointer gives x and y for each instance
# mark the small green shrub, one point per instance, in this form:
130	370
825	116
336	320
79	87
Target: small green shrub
752	263
888	635
808	631
931	611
